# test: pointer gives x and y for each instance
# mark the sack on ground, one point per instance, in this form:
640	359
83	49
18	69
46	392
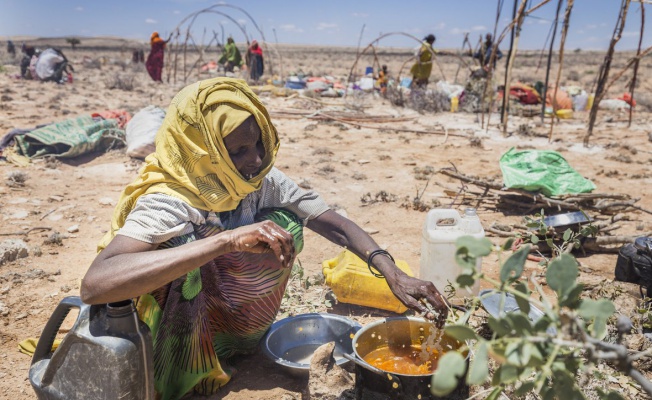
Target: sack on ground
141	131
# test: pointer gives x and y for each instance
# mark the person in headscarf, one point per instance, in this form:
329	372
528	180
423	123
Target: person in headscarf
382	80
154	63
231	56
226	226
28	53
255	61
11	48
485	51
422	69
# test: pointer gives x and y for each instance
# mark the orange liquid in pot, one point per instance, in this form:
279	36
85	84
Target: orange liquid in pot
409	360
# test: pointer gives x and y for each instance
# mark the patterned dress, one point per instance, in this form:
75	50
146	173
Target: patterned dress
224	307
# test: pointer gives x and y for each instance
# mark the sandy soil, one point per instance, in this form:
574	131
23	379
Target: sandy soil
341	162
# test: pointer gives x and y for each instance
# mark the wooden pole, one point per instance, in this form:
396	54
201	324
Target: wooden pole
176	55
459	64
564	31
544	94
497	42
627	66
545	44
357	54
499	8
279	56
638	55
185	51
510	62
603	75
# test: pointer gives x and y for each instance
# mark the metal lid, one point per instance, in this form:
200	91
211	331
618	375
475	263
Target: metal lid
644	243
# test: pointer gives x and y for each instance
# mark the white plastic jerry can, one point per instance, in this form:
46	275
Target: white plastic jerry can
442	228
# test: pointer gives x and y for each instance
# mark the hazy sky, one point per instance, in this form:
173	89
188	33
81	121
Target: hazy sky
324	22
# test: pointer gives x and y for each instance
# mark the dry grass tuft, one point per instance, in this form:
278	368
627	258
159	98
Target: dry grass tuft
121	81
16	178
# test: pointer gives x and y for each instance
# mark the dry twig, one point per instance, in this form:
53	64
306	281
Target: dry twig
27	231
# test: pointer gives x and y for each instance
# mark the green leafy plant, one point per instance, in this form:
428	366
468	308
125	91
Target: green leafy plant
548	355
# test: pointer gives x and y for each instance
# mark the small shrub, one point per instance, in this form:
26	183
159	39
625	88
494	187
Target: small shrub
322	150
93	64
54	239
379	197
16	179
122	81
574	75
326	170
423	174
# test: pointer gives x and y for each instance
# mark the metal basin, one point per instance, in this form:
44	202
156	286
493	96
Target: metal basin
291	342
567	220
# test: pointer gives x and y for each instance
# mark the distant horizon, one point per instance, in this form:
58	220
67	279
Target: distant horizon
146	43
337	23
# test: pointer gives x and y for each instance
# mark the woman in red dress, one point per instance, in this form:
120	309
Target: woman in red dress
154	62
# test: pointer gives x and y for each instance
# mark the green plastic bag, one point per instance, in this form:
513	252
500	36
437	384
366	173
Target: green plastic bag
542	171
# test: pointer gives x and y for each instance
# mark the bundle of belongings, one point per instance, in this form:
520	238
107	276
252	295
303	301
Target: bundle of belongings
525	99
141	131
522	93
477	94
70	138
97	132
624	102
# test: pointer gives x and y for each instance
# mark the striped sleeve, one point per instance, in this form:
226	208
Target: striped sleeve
279	191
158	217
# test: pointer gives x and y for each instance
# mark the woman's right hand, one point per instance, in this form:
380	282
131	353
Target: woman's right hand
263	237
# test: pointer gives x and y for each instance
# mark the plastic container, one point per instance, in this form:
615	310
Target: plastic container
564	114
589	103
349	278
440	232
106	355
580	101
454	103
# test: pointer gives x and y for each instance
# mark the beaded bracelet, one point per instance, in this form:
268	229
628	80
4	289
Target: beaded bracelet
371	257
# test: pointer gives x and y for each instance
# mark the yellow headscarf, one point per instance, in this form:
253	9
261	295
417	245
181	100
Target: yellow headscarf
191	162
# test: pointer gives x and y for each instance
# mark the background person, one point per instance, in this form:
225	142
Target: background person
383	79
154	63
485	51
255	61
11	48
422	69
226	226
28	53
231	56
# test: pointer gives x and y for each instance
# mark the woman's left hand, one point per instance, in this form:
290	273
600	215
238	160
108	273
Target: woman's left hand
413	292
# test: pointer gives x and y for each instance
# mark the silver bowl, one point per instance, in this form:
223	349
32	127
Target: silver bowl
567	220
291	342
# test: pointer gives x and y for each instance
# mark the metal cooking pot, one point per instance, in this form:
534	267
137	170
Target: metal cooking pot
374	383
